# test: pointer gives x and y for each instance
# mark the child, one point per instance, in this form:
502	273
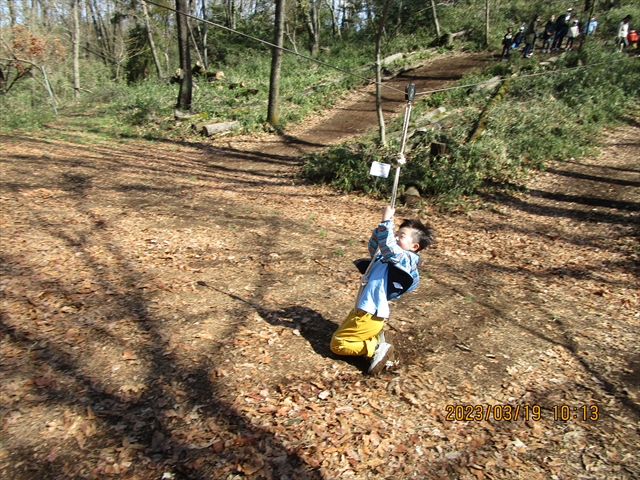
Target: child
622	32
394	273
519	38
574	32
507	40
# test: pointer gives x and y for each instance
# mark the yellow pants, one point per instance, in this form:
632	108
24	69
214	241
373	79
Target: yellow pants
357	334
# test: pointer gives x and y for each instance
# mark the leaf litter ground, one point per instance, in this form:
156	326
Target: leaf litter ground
167	309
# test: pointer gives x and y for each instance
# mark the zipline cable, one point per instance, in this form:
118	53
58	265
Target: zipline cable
368	80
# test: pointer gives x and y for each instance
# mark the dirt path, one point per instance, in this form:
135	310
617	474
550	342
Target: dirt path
166	311
356	113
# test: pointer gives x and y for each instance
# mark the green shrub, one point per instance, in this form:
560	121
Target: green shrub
27	107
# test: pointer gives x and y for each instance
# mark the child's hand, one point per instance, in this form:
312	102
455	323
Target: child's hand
387	213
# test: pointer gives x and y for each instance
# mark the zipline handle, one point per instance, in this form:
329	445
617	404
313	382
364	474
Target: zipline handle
410	93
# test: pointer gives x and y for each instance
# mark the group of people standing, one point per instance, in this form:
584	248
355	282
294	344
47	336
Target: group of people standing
554	33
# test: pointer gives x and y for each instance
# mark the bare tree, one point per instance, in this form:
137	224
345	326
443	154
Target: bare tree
334	21
204	34
486	31
75	38
276	62
13	14
435	18
152	45
310	12
186	84
383	19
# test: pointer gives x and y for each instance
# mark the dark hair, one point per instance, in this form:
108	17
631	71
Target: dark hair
422	235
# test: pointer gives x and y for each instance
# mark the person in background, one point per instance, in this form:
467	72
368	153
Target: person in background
622	33
518	38
590	26
562	27
574	32
507	41
530	35
633	38
549	32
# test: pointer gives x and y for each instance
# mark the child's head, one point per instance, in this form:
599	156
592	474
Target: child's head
414	236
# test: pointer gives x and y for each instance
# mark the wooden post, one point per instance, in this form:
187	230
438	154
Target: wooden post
438	148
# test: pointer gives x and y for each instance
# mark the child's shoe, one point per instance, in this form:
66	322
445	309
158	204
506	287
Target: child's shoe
388	337
382	354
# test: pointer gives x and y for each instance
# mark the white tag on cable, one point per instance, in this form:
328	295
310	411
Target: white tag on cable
379	169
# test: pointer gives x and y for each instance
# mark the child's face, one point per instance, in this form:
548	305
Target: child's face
404	238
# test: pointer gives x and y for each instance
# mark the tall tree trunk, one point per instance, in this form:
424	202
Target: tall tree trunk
152	45
291	37
32	17
44	14
204	35
276	62
195	44
104	38
76	49
231	13
13	15
383	137
486	17
335	28
311	18
435	18
186	85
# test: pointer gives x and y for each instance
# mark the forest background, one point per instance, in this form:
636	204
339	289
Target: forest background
117	65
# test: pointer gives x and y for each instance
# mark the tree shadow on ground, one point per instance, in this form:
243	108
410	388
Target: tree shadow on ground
593	178
562	335
311	324
588	201
138	415
144	422
579	215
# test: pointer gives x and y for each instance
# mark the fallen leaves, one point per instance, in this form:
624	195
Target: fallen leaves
142	338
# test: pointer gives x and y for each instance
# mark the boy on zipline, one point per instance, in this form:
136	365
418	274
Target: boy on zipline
394	273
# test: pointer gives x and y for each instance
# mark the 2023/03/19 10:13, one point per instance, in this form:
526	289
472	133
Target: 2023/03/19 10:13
521	412
583	412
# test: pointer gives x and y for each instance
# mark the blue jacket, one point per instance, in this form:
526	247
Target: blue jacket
394	273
